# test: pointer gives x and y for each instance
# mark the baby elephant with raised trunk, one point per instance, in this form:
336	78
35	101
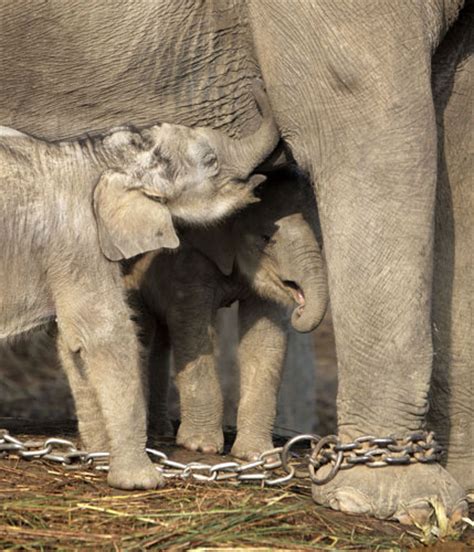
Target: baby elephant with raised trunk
268	258
66	210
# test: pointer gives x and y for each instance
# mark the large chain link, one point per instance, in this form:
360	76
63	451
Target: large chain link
273	467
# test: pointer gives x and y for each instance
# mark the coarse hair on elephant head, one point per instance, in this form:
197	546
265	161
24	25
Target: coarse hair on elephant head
275	245
165	172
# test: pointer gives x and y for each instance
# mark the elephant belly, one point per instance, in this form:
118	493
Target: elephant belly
98	66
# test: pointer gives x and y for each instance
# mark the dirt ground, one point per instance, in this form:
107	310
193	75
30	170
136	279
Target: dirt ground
45	507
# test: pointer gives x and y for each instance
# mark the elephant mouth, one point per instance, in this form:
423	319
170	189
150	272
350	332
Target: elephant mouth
297	295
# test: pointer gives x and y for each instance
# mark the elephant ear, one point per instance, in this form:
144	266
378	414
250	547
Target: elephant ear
216	244
129	222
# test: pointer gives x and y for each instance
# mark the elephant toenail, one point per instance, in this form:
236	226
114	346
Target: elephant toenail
350	501
460	510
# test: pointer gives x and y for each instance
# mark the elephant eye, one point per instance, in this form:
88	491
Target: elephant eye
210	160
158	199
266	239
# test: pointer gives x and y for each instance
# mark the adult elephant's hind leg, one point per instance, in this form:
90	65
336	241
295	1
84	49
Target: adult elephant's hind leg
357	110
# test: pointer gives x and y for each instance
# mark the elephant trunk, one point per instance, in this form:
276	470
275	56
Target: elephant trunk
310	291
242	156
309	314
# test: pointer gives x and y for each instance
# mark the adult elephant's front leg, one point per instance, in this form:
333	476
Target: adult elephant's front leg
364	128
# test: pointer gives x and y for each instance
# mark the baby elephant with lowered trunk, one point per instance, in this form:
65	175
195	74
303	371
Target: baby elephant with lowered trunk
268	258
66	211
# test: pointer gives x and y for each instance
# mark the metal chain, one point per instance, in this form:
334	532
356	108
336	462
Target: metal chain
373	452
273	467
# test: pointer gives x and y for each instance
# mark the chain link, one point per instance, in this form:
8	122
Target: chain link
373	452
273	467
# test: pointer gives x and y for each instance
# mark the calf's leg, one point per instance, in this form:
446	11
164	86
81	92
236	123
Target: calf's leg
191	322
99	344
91	423
158	380
261	357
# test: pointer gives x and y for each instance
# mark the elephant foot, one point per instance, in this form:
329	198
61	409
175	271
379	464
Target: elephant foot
403	493
249	447
209	441
139	473
463	473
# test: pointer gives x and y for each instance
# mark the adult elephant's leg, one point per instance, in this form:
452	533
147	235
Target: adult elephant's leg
365	130
452	394
261	355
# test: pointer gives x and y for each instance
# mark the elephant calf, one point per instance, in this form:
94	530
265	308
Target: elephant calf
267	257
69	208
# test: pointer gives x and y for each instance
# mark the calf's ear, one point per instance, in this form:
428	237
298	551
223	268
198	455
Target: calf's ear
129	222
216	243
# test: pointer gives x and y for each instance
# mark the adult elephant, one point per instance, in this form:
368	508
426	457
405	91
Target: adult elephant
350	86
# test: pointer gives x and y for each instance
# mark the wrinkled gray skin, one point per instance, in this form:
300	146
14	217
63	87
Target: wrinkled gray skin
268	258
66	210
350	87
